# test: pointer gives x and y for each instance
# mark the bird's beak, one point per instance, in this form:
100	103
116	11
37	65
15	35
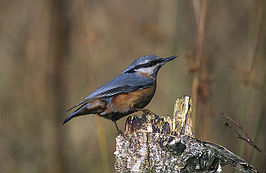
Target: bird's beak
165	60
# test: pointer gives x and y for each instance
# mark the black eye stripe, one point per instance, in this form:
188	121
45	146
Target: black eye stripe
149	64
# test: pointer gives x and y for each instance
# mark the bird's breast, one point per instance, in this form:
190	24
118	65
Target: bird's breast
128	102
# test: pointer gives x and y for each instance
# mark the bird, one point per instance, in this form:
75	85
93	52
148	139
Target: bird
127	93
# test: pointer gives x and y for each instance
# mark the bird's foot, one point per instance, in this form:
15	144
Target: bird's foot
119	132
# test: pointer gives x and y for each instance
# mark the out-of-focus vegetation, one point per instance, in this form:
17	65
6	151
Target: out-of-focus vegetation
55	52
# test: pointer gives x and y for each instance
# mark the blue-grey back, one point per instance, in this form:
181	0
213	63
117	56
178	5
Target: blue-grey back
126	82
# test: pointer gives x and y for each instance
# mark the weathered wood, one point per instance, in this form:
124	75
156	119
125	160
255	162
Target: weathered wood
161	144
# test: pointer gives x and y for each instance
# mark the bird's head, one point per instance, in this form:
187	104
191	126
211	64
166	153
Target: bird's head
148	65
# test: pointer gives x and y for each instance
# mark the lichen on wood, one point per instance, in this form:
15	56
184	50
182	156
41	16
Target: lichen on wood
162	144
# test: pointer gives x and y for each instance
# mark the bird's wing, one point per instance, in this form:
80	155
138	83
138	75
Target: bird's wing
124	83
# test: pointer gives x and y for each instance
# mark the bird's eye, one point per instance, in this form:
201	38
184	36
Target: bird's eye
152	63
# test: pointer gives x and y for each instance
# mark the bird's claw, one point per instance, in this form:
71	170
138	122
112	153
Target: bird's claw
120	133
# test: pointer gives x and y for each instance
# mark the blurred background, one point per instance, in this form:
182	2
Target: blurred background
56	52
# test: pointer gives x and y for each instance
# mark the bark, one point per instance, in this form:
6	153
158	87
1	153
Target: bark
161	144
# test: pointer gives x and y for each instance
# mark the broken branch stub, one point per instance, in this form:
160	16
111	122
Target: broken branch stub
161	144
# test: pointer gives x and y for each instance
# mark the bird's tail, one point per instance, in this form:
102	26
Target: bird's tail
68	118
80	103
80	111
87	108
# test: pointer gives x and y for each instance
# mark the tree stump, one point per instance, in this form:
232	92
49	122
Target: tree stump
160	144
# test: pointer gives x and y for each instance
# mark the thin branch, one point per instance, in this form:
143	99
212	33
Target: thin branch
239	126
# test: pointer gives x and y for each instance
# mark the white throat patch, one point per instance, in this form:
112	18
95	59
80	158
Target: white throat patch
148	70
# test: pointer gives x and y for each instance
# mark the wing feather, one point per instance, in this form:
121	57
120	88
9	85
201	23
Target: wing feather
124	83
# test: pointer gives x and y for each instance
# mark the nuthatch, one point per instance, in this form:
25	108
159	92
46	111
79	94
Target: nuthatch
127	93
